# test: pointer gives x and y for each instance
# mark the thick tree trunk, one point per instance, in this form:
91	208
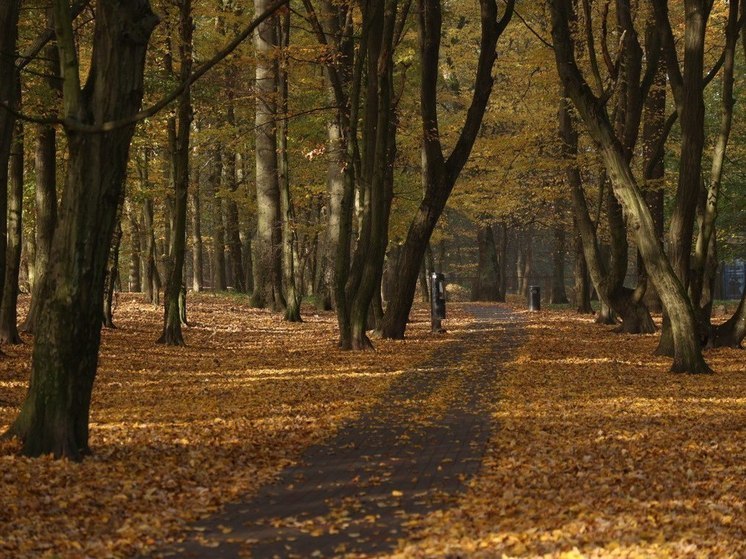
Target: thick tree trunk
54	416
9	306
688	353
172	296
268	240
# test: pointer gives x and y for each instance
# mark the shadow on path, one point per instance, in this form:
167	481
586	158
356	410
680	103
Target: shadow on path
408	456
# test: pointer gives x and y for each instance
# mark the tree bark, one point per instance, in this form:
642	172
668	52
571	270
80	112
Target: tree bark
152	277
134	282
54	416
582	298
232	231
267	244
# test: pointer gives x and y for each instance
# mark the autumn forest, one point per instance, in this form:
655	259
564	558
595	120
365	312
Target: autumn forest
372	278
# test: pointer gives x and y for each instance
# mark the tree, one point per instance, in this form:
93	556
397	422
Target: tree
173	299
9	91
592	109
440	172
54	416
267	244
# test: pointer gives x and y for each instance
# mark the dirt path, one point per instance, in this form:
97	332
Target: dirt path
410	455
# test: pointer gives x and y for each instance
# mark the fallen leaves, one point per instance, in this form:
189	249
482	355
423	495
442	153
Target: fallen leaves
600	452
178	432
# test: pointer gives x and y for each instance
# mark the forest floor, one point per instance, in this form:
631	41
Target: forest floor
596	449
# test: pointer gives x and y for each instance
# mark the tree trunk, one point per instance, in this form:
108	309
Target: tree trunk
172	302
441	172
112	269
219	282
688	353
582	281
135	234
46	215
268	241
197	250
289	240
558	295
710	209
54	416
654	170
732	332
487	284
152	277
9	90
9	306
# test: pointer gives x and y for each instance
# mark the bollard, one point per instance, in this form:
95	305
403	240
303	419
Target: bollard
534	298
437	301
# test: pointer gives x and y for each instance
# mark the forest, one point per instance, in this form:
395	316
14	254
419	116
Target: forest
224	220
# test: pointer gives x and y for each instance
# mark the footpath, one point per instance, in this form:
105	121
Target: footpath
411	454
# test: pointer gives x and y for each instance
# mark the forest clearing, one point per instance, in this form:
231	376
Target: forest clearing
595	452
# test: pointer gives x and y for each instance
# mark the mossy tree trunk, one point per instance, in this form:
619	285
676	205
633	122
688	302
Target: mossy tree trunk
54	416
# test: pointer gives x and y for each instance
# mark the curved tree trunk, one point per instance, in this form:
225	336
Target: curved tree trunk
732	332
688	353
440	173
54	416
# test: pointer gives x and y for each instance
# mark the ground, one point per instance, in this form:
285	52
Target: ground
514	434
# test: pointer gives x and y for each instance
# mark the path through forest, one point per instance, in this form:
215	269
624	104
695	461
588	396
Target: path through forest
409	455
